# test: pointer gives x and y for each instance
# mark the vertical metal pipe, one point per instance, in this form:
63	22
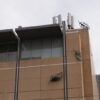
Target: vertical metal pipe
65	61
17	66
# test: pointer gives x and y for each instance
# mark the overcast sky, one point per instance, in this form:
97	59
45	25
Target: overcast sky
14	13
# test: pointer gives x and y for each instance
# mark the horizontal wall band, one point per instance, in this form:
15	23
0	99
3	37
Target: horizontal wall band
57	64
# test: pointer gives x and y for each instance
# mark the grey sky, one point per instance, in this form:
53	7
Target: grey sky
14	13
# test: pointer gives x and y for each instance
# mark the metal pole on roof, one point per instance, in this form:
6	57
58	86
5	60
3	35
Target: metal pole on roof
17	66
65	61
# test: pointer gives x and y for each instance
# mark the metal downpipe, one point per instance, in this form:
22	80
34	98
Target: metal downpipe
17	66
65	62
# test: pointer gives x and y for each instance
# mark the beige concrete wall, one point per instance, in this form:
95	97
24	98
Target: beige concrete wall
35	75
35	81
7	80
87	75
88	62
74	67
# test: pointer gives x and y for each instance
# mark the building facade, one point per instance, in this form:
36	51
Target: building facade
98	83
44	53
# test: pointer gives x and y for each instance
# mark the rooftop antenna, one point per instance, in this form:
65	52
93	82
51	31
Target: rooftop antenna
57	20
70	21
84	25
54	20
20	27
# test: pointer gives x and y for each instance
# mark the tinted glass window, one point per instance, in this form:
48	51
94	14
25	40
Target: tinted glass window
8	52
42	48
